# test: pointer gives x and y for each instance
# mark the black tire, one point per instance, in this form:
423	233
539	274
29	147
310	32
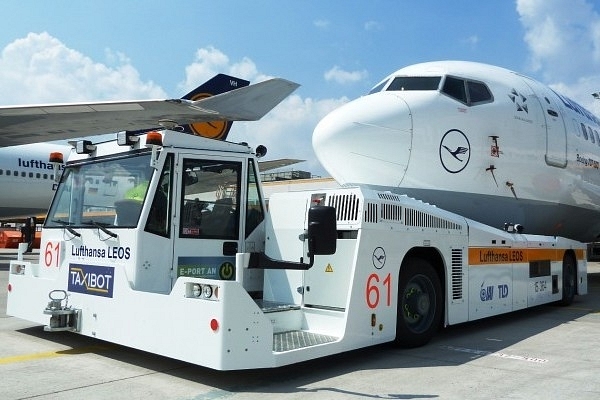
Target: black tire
569	280
420	303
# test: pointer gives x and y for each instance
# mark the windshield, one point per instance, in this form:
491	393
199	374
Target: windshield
415	83
106	192
402	83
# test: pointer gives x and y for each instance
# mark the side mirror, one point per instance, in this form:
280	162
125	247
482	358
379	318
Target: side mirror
322	230
321	236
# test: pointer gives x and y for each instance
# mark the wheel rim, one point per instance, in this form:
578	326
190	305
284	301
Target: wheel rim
419	303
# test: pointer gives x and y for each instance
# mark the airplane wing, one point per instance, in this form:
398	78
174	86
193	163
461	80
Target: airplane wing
218	84
41	123
272	164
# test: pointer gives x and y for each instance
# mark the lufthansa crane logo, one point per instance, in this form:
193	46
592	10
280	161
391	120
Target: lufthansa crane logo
378	257
455	151
209	129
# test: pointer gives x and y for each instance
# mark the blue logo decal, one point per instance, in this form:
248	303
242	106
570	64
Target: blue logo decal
91	279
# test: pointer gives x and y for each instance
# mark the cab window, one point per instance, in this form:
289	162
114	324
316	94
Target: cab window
210	199
160	211
254	211
106	192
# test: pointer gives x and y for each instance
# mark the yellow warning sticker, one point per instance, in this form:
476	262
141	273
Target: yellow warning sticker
328	268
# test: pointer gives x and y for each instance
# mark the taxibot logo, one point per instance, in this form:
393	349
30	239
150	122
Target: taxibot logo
91	279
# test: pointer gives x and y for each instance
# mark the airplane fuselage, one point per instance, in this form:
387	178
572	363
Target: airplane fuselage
481	141
27	178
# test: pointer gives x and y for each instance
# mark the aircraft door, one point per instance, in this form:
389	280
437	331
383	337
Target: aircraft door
207	222
556	132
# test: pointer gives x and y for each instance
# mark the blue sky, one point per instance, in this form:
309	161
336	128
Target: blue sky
67	51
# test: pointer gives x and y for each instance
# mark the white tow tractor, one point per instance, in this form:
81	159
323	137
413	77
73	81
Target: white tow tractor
163	242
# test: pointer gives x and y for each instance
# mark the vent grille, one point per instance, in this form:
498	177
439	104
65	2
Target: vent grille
425	220
388	196
392	212
346	206
457	274
371	212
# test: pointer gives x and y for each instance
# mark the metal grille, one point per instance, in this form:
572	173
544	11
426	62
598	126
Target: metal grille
391	212
421	219
388	196
292	340
457	274
346	206
371	212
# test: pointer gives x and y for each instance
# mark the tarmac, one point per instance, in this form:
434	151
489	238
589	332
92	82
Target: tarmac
546	352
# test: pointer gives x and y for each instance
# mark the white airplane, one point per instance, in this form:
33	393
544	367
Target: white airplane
27	178
482	141
26	175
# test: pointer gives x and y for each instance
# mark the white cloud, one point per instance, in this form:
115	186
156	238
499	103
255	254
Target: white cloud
564	41
322	23
41	69
563	37
287	130
373	26
472	40
209	61
340	76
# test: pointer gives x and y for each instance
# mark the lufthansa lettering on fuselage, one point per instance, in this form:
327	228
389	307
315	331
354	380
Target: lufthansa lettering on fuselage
111	252
37	164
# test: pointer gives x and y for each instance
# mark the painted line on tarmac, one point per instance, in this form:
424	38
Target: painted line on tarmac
496	354
52	354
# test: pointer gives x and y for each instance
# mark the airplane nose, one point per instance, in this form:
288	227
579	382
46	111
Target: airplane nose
366	141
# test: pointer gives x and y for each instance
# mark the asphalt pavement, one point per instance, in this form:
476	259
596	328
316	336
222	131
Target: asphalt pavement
547	352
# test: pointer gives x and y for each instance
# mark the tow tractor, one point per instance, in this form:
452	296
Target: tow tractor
163	242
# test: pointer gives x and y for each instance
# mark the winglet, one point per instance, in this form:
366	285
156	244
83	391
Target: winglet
249	103
218	84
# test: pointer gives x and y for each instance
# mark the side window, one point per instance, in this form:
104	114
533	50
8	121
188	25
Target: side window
254	211
160	211
210	199
478	93
455	88
585	134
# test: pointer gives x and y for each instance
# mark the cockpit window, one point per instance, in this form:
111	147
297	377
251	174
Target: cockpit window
466	91
415	83
378	87
478	93
455	88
